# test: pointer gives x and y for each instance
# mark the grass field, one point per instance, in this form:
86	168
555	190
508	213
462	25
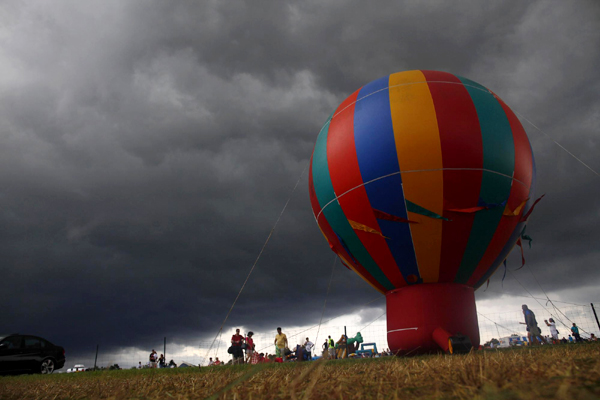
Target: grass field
561	371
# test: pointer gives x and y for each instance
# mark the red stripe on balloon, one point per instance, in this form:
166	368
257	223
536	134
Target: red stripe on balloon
462	148
345	175
334	243
518	194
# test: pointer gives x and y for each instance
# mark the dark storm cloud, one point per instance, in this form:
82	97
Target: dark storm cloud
148	149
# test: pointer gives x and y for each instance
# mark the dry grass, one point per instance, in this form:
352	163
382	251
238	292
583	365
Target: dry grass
562	372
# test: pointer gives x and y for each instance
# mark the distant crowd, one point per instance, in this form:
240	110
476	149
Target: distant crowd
534	333
157	362
243	350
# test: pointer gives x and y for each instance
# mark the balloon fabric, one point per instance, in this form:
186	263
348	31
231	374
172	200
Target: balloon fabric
422	177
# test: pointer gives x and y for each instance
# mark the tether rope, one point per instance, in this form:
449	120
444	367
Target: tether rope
538	298
545	294
326	296
497	324
372	321
218	343
530	295
257	258
330	319
558	144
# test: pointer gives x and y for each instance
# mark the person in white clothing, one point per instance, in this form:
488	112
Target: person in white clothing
308	346
553	331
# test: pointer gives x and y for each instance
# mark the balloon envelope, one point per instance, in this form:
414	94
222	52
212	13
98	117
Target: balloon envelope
422	177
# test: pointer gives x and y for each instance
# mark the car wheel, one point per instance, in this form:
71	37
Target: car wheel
47	366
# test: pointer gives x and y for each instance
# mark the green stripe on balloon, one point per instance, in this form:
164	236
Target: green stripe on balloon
499	157
417	209
333	213
321	181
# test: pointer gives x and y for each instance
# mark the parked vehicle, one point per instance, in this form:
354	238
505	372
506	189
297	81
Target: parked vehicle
77	368
27	353
513	340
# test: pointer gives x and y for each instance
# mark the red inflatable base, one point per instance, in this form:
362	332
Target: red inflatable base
415	312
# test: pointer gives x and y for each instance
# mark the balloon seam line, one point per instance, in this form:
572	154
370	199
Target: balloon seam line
417	170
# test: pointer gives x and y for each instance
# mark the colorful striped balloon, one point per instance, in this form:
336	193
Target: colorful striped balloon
422	177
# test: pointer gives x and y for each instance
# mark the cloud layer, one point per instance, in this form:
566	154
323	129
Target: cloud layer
146	151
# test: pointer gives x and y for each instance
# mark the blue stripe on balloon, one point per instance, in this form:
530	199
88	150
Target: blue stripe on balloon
377	157
334	214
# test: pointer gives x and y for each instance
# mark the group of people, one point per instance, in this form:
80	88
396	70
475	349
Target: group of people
156	361
329	346
534	333
304	352
241	344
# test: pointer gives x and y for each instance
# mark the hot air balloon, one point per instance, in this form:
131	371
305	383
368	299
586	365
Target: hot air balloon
420	182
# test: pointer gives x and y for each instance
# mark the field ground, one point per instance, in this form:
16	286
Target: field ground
562	372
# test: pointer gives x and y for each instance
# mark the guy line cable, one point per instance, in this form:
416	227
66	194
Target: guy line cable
556	309
558	144
530	295
259	255
551	302
495	323
538	298
326	296
330	319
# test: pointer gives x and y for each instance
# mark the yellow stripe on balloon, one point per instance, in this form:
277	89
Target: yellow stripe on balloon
418	146
515	213
364	228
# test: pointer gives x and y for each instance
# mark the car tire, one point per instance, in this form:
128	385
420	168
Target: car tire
47	366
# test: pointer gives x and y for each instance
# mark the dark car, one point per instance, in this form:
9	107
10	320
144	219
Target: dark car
26	353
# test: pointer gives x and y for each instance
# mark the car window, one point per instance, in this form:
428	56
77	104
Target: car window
32	343
12	342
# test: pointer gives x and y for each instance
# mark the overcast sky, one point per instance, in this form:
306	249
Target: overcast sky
147	149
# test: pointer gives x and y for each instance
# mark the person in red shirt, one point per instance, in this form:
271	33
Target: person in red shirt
249	346
236	344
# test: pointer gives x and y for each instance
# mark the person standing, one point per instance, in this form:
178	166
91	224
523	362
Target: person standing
553	330
308	346
575	331
533	331
236	344
331	347
249	346
153	359
281	343
161	361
